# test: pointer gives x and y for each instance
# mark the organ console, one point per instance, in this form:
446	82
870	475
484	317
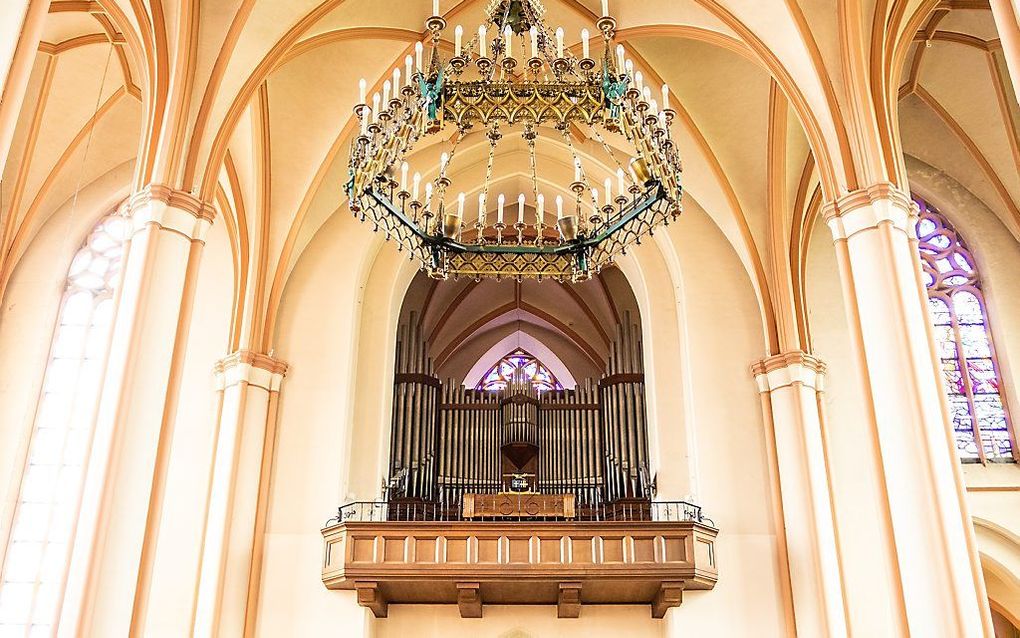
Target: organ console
479	451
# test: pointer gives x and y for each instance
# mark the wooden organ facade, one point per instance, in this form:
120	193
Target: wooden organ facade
512	496
448	440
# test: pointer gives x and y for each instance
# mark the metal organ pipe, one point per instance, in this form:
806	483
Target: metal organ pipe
446	439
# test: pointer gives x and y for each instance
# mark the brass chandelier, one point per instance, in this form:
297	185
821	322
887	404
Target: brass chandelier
491	82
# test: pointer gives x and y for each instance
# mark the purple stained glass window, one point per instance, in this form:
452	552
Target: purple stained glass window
519	367
970	372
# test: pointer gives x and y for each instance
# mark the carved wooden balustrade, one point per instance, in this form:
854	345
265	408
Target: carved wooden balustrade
564	562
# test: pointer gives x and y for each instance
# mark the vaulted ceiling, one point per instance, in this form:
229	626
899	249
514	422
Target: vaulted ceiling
464	321
249	104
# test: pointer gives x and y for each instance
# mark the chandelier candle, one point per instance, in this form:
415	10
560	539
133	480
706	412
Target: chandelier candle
477	98
508	41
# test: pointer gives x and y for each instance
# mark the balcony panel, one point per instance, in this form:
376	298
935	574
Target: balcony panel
472	563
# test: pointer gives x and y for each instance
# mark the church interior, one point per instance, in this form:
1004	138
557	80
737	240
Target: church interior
509	318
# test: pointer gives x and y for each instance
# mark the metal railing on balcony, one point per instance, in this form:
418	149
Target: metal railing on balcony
407	510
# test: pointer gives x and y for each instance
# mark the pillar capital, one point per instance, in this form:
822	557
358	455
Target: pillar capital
171	209
251	368
787	369
869	207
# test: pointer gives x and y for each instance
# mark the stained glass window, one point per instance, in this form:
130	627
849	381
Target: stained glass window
970	371
38	551
519	367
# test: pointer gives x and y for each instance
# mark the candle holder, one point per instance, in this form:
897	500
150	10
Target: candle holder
607	25
499	226
535	67
480	233
509	64
484	66
561	66
458	64
451	225
519	227
568	227
435	25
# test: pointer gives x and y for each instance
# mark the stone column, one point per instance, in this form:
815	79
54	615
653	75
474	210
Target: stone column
125	480
249	388
1004	12
918	548
791	386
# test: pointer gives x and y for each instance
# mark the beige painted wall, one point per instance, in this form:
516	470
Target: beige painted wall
331	328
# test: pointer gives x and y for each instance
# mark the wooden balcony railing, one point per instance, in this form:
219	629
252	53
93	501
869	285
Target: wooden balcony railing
564	562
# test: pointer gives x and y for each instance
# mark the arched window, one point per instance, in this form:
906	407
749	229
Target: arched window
38	550
519	367
970	371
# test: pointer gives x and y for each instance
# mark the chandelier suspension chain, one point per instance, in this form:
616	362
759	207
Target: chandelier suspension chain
565	131
609	151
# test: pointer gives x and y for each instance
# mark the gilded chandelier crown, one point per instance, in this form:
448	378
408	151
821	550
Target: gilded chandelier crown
516	76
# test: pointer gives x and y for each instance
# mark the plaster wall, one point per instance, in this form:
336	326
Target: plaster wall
332	435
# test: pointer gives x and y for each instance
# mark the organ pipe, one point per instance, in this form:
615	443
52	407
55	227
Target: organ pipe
447	440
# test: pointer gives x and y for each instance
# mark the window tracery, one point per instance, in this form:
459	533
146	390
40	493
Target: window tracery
519	367
38	549
970	371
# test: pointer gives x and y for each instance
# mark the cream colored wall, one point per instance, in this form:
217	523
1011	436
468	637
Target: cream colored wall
721	336
318	336
337	335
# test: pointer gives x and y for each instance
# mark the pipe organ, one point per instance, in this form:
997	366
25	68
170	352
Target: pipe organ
448	440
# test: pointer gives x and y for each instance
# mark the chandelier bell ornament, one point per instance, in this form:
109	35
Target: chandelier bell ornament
516	76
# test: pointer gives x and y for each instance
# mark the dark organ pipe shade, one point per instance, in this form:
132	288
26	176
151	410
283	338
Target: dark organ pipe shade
447	440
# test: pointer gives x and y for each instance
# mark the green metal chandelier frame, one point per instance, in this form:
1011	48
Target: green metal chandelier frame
481	85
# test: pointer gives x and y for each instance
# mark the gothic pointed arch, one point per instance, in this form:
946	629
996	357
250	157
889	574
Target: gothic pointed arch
963	336
519	366
38	550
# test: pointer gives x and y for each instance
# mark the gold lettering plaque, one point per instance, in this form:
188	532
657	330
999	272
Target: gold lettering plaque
519	505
